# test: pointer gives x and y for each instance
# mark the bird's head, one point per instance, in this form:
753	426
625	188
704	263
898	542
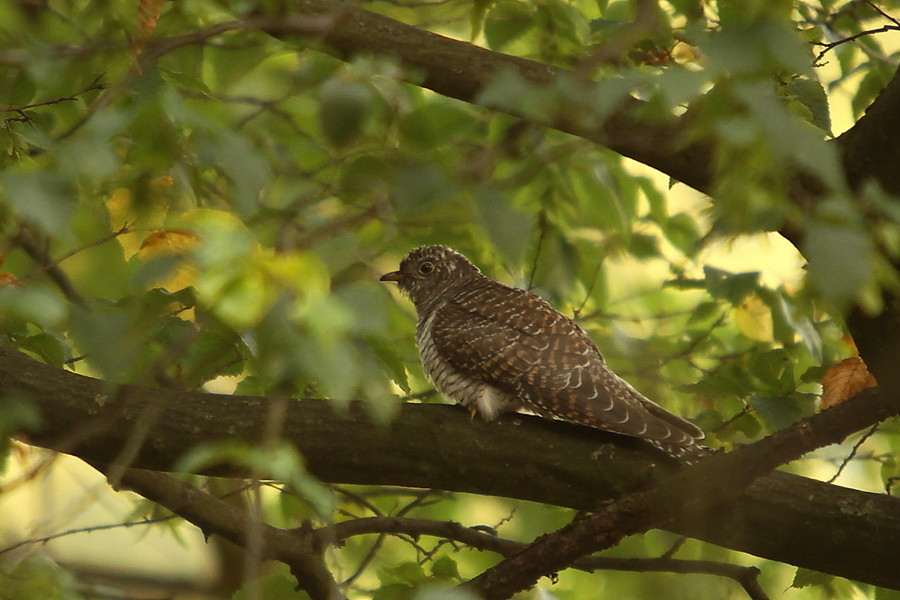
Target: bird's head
428	272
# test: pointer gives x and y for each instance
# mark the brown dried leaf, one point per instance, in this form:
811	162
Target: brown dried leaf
9	279
844	380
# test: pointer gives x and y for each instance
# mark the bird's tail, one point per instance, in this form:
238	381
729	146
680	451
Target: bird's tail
686	454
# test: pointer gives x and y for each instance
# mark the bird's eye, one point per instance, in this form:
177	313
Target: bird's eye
426	268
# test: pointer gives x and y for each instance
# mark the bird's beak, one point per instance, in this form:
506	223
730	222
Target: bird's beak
394	276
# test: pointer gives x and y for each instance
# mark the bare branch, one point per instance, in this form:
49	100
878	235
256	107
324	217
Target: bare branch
829	46
853	452
479	539
91	529
52	264
95	85
32	244
300	551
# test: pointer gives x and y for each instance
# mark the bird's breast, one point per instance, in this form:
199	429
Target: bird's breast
477	395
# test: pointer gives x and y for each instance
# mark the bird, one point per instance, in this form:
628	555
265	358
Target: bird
495	349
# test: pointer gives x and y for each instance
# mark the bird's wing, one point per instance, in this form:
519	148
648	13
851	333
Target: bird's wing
518	343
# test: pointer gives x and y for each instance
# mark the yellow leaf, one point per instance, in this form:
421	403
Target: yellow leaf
754	319
173	242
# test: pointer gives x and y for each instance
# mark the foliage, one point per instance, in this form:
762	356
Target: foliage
219	209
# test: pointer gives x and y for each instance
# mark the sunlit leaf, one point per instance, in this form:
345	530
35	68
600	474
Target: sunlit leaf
507	21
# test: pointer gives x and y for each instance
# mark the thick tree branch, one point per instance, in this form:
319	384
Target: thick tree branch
783	517
460	70
300	551
716	480
871	151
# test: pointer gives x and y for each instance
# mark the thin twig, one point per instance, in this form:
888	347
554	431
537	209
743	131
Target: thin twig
126	228
828	46
28	241
881	12
53	536
480	540
95	85
853	452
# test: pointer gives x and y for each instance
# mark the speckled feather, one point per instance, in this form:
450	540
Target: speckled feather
495	348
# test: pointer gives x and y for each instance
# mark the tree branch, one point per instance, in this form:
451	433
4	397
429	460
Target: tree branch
782	517
715	480
298	549
747	577
461	70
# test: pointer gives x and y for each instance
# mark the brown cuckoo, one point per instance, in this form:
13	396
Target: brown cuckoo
494	349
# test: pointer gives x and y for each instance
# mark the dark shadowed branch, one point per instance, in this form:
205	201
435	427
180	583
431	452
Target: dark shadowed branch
782	517
715	480
747	577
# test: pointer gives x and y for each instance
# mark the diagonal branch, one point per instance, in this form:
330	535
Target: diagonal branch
300	551
461	70
717	479
747	577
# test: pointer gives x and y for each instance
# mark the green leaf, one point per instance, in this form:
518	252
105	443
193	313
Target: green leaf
748	425
508	228
777	412
507	21
280	585
392	362
34	305
38	577
394	591
44	198
241	163
774	369
806	577
873	82
841	261
188	81
683	232
476	16
811	94
420	189
280	461
446	568
344	108
730	286
886	594
788	324
407	572
49	348
643	246
366	176
704	311
434	125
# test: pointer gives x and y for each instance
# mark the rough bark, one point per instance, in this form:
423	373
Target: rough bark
782	517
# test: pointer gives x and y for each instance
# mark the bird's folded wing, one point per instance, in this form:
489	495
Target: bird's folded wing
518	343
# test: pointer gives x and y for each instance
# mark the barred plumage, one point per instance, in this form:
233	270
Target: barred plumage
495	349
